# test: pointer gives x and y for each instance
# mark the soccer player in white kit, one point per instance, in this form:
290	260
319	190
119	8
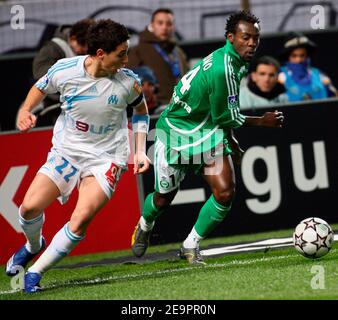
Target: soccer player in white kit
90	144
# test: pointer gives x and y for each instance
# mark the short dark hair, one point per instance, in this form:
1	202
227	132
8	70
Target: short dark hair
235	18
161	10
79	30
268	60
106	34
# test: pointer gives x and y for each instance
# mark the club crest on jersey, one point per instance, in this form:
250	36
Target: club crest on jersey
113	99
164	184
233	101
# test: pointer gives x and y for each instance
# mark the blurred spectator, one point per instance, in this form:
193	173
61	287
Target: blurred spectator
262	88
67	42
158	50
149	86
301	80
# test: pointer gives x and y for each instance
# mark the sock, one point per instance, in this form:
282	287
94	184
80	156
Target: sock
63	242
145	226
210	216
193	239
150	212
32	230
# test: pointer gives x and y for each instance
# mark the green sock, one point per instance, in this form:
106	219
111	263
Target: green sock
210	216
150	212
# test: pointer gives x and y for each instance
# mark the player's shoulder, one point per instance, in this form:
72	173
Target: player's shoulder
213	64
69	61
67	65
129	75
128	80
220	66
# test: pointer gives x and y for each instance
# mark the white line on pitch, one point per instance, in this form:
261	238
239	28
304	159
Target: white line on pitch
160	272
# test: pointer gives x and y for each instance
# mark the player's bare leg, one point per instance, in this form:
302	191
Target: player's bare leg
221	179
41	193
91	199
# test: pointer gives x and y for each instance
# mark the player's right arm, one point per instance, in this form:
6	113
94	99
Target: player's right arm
26	119
45	85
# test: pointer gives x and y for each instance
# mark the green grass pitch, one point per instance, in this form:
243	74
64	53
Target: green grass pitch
278	274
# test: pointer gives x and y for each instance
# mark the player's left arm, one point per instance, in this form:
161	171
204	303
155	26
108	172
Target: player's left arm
224	100
140	122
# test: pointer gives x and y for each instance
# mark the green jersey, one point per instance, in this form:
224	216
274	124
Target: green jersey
204	106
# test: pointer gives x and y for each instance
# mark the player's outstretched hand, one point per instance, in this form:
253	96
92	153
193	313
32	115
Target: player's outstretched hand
25	120
141	163
272	119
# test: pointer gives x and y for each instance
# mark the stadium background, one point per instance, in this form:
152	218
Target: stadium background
200	27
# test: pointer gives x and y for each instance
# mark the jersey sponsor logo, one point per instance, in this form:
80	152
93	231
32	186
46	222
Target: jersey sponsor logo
233	101
113	99
183	104
113	174
82	126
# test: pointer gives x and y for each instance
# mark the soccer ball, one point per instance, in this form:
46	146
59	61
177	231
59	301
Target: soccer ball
313	238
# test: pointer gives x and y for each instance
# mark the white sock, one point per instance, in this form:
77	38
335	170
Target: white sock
32	230
193	239
63	242
146	226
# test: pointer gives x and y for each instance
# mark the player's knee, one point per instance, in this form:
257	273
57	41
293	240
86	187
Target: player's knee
29	210
225	195
161	201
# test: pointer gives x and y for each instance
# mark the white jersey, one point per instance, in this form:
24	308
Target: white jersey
93	118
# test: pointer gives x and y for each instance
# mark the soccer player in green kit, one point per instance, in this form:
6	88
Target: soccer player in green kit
196	131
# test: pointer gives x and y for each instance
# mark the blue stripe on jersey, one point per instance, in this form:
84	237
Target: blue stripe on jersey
42	85
60	64
70	99
59	68
132	74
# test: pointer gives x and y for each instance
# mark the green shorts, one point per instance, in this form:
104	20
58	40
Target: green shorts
169	174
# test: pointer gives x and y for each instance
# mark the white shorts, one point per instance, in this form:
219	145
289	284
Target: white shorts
167	178
67	172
